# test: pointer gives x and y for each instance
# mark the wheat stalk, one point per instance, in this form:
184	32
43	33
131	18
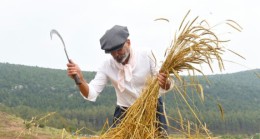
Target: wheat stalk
193	45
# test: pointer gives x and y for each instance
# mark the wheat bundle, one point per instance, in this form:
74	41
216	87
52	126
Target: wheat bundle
195	44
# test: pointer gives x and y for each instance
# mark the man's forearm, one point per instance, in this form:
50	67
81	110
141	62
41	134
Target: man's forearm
84	88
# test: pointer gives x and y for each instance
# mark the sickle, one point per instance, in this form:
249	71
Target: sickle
75	76
53	31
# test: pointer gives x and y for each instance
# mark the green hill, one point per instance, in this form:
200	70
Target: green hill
27	91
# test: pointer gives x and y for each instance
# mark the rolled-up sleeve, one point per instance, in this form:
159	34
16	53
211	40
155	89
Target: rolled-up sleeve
96	86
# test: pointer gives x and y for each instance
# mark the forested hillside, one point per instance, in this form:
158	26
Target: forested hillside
33	91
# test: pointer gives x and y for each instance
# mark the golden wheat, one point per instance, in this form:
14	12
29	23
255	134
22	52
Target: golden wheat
193	45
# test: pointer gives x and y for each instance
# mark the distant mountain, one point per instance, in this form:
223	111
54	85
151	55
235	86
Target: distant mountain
28	91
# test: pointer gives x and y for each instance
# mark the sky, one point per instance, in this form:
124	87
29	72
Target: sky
26	24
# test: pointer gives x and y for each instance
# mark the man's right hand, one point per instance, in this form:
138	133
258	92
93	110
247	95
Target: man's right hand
74	70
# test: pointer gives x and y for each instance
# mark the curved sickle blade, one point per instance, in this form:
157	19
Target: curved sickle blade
53	31
75	76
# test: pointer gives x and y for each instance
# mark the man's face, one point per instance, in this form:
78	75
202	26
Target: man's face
122	54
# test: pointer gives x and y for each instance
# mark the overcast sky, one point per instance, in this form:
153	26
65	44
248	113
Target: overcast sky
25	28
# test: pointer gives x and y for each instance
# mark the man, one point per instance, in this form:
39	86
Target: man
127	70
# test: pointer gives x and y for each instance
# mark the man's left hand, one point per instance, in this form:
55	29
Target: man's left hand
164	81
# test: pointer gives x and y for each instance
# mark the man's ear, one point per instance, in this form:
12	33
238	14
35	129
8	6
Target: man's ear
129	42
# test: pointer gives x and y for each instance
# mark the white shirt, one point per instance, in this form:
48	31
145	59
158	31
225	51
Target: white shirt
144	67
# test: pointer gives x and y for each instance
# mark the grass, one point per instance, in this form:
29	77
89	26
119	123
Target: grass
12	127
15	127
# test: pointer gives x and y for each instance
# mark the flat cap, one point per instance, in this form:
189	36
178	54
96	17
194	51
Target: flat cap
114	38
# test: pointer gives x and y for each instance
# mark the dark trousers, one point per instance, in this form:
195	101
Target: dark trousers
120	112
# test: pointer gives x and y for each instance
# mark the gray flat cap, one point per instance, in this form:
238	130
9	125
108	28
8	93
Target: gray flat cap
114	38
